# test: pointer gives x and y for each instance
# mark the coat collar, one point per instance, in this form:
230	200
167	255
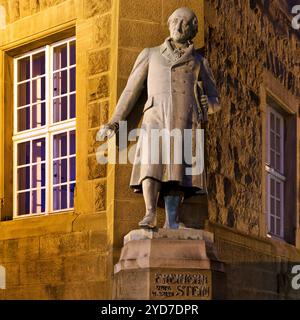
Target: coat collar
167	51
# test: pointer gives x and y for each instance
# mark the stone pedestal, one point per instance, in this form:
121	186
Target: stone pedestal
169	264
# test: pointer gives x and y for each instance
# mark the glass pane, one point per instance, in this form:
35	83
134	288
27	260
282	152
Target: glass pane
38	90
272	122
60	83
272	159
72	190
24	69
278	208
278	162
60	145
38	150
60	196
72	53
23	119
72	142
60	109
278	227
23	202
272	224
38	201
272	200
23	153
23	177
38	115
72	106
24	94
72	79
277	125
72	173
38	64
60	171
272	138
272	182
38	175
277	143
278	187
60	57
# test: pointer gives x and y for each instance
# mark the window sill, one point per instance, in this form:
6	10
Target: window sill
42	215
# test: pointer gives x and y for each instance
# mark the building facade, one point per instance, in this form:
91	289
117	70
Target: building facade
63	65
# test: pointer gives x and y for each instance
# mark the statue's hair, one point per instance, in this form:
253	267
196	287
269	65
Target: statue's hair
193	21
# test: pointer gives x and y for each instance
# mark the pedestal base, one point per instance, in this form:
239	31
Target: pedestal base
169	264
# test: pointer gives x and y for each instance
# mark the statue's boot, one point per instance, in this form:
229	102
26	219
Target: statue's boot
151	190
172	203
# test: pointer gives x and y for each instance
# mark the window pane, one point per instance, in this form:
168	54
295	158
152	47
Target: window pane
272	224
23	202
278	125
23	153
278	209
38	64
72	53
72	173
272	142
24	69
72	190
60	145
72	106
38	90
278	227
60	196
278	191
278	144
38	176
24	94
23	177
272	200
60	109
278	162
38	201
60	57
38	150
272	159
60	171
23	119
272	182
72	142
72	79
272	122
38	115
60	83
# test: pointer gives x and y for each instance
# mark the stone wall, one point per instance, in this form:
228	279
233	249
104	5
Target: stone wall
244	38
66	255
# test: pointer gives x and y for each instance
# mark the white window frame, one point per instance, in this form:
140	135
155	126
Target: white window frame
276	175
47	131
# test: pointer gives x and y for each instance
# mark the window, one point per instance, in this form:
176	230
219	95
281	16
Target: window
44	129
275	172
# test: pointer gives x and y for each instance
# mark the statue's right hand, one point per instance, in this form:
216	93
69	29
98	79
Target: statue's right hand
107	130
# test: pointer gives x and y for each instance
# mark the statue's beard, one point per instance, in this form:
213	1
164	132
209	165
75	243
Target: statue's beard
180	37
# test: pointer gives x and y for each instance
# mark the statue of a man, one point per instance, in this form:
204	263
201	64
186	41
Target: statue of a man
181	92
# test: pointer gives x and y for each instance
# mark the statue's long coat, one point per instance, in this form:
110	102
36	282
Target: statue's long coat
172	103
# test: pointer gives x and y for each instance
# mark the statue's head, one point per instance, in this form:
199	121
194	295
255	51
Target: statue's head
183	25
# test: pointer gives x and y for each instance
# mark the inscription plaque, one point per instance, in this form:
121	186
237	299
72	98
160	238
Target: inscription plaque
176	284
